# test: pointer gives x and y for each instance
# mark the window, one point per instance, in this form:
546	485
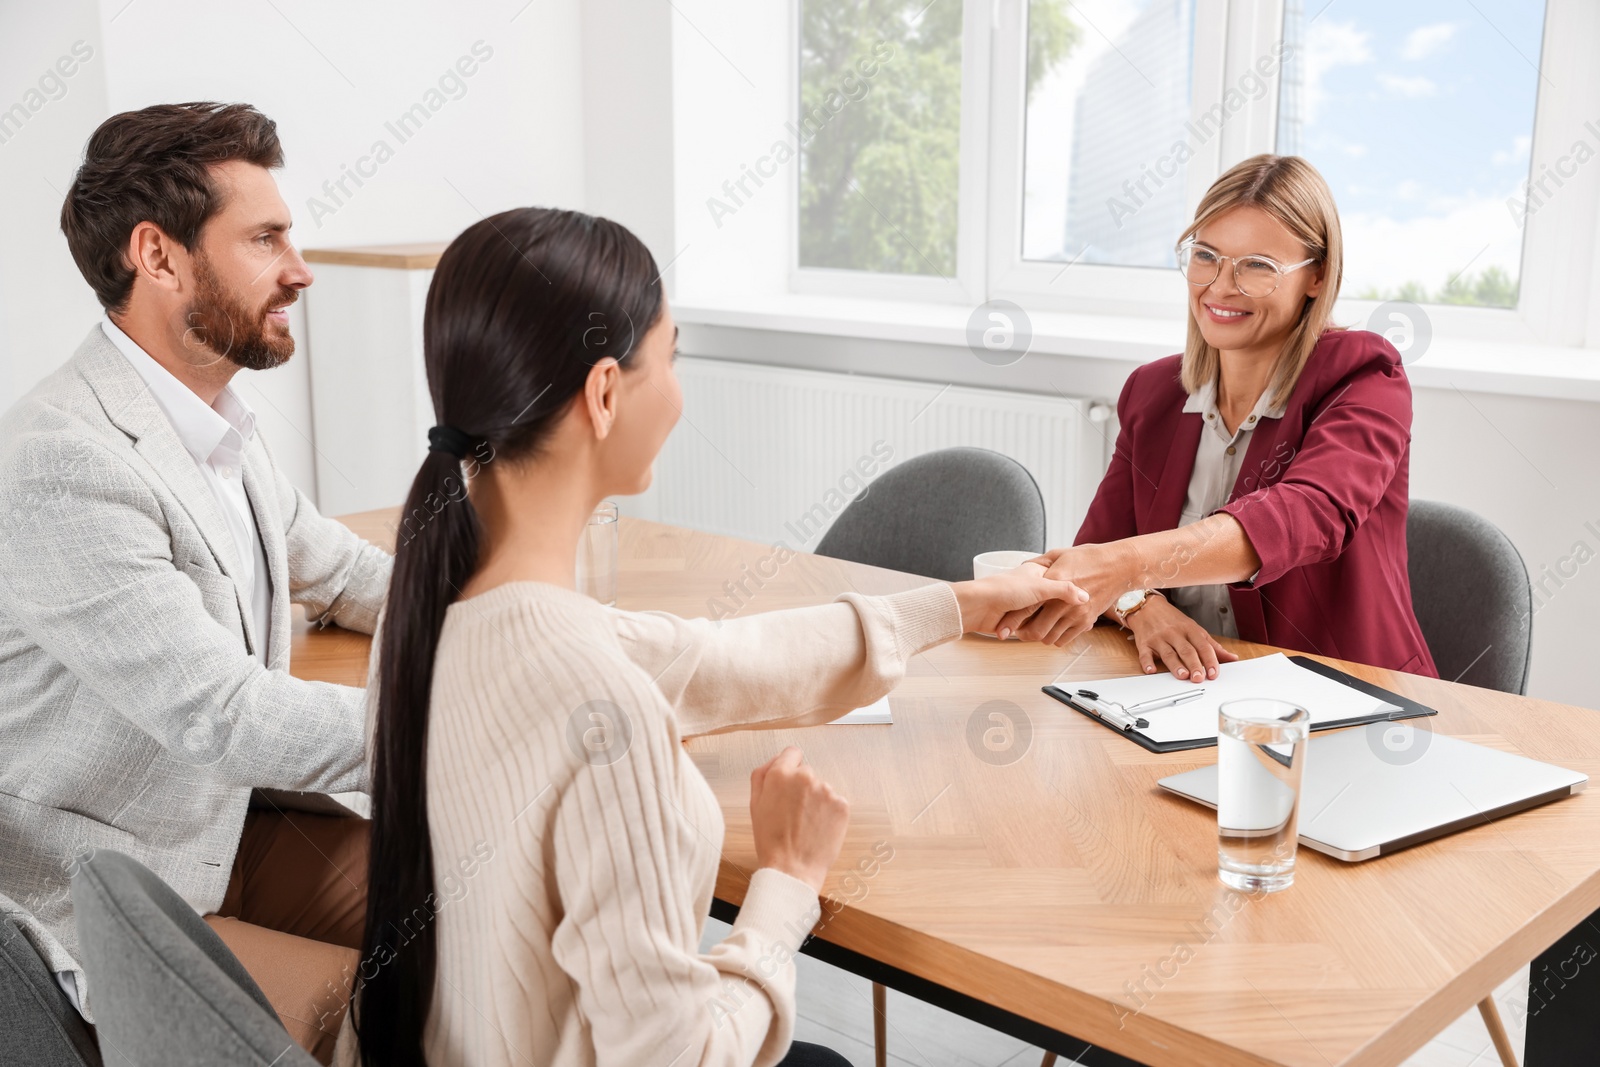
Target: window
879	126
1420	115
1049	152
1107	97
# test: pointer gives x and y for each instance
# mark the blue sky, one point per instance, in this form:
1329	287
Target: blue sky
1419	114
1420	118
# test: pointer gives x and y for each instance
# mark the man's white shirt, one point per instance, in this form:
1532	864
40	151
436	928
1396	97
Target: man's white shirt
215	437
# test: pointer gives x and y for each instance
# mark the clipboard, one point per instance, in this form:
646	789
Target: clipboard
1408	709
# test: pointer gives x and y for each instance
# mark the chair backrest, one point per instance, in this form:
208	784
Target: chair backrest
930	515
163	986
39	1027
1470	591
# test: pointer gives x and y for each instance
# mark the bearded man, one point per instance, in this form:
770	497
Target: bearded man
150	549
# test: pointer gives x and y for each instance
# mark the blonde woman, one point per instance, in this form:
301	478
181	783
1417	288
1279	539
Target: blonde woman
1260	481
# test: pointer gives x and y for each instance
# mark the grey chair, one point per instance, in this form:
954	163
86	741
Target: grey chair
1470	591
930	515
165	988
39	1027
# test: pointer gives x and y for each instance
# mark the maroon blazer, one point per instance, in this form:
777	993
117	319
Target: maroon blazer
1322	495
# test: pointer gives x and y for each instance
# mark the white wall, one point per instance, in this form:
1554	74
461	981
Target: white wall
1527	465
732	97
627	121
331	75
45	306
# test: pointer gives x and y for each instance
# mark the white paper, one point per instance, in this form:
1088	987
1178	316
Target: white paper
1267	676
876	712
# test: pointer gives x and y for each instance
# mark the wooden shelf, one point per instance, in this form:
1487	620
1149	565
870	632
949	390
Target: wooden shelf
423	255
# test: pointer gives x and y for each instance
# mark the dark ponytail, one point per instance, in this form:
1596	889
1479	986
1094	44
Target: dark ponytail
522	304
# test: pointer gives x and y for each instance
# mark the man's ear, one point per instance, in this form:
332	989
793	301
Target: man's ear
601	391
153	256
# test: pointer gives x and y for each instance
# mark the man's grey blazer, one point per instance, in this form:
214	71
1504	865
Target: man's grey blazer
133	713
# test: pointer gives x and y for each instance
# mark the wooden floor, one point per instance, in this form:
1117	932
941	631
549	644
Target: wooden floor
836	1011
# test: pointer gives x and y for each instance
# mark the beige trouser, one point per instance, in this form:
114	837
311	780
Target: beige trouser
293	914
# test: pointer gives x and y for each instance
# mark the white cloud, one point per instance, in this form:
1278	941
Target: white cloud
1518	151
1327	144
1329	45
1424	41
1387	252
1409	190
1409	88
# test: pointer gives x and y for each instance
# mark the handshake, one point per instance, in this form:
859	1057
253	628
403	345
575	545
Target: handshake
1055	597
1033	601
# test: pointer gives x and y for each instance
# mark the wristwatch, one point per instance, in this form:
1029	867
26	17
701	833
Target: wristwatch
1130	602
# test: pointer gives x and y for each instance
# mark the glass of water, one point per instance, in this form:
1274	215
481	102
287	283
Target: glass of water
1261	755
597	555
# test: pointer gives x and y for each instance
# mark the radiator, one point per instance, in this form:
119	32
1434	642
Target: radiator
760	448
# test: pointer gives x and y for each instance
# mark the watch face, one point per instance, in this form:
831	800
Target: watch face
1130	600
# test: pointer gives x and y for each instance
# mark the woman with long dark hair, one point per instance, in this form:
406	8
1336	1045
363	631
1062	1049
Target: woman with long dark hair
543	849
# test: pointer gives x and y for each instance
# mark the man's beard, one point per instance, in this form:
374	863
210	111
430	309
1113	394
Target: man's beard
233	330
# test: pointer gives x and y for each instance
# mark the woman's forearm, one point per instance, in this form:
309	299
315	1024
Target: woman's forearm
1212	551
797	667
1209	552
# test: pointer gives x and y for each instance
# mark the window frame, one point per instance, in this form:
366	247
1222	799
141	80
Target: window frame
967	284
1091	288
1559	277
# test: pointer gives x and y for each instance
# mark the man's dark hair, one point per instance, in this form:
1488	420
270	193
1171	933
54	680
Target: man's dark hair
152	165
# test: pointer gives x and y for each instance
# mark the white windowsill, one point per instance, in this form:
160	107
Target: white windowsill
1118	343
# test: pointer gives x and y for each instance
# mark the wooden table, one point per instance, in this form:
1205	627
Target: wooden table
1034	877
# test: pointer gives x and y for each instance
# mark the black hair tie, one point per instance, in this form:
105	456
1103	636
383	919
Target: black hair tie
449	439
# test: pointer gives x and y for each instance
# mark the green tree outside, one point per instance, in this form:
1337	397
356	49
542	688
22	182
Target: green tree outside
1491	287
880	174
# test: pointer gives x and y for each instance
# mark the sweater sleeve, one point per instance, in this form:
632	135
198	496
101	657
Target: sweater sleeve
1356	443
797	667
628	935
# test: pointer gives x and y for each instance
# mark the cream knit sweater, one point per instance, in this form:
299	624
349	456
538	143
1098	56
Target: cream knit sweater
576	845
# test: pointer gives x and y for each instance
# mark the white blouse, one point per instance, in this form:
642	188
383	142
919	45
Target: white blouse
1217	463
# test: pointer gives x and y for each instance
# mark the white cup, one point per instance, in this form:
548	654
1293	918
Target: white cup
986	563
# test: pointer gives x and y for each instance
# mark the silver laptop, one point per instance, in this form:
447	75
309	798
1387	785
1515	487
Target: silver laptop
1371	790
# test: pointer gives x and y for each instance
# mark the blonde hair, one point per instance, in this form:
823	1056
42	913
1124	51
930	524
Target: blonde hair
1291	191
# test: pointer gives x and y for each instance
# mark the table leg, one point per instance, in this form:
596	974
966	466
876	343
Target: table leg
1564	1000
1497	1032
880	1019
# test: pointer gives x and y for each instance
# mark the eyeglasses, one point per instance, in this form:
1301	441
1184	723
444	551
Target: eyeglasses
1255	276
